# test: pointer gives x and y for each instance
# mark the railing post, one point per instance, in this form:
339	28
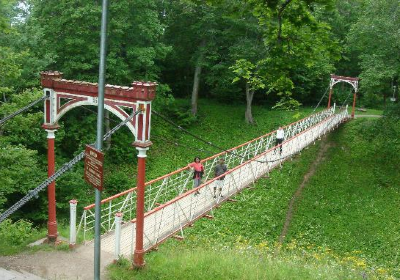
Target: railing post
72	223
118	222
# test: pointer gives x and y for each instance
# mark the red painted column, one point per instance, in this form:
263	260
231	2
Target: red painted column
354	105
138	256
330	96
51	189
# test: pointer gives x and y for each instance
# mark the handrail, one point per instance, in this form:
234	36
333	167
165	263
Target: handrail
204	160
229	171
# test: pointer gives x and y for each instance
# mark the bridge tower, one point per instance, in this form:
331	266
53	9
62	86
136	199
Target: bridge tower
64	95
350	80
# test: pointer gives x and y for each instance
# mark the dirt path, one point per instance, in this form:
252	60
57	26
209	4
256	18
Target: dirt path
367	116
57	264
297	195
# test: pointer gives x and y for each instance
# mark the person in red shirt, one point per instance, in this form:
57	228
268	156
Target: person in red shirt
198	169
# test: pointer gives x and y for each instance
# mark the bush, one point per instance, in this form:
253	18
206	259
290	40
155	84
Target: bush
16	233
371	100
287	104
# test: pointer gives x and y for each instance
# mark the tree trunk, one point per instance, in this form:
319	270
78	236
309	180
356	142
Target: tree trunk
196	79
196	82
249	100
107	129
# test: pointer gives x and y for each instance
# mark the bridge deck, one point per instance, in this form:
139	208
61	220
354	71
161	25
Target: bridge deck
162	220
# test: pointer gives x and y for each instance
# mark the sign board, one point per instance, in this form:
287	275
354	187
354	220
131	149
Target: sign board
94	167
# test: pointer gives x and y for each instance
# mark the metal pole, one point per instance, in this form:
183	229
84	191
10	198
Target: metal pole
100	132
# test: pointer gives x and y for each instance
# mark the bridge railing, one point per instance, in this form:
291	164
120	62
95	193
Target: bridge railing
171	217
165	188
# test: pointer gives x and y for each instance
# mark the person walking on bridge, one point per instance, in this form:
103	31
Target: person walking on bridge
280	136
198	169
220	169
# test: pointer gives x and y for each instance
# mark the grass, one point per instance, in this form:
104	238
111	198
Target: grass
177	261
352	203
347	219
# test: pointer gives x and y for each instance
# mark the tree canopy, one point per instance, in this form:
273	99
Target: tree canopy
276	53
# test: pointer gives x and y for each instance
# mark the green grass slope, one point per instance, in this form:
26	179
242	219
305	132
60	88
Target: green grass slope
345	225
352	205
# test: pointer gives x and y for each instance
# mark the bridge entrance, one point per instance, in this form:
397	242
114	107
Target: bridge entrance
64	95
352	81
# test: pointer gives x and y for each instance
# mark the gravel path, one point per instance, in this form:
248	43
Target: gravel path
61	265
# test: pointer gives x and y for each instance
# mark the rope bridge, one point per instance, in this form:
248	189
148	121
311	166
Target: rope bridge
172	204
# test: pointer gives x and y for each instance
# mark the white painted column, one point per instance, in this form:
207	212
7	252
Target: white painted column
72	225
117	247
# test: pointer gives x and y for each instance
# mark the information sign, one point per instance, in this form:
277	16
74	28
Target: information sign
94	167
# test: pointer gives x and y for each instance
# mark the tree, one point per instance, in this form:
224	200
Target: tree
193	29
253	80
376	37
71	32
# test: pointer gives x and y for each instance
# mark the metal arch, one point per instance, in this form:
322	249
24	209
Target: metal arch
93	102
353	83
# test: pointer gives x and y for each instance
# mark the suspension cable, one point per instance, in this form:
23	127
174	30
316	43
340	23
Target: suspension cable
188	147
67	166
2	121
197	137
213	145
319	102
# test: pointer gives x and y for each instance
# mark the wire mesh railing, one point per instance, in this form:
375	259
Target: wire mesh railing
168	187
171	217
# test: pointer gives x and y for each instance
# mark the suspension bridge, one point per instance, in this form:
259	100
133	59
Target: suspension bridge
141	218
170	202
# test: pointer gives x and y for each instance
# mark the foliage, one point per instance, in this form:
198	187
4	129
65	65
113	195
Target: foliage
71	33
16	233
14	236
19	171
9	71
287	104
376	37
298	43
371	100
244	69
14	131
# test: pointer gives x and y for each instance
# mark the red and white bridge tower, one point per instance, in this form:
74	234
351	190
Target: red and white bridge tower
350	80
64	95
